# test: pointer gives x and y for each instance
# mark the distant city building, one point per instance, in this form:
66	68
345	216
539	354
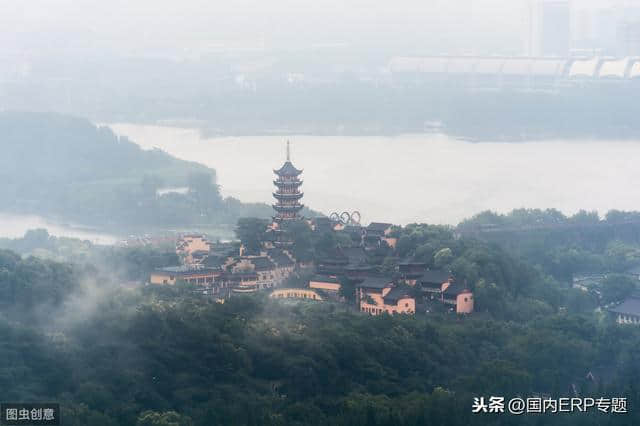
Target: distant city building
628	38
551	26
613	31
605	31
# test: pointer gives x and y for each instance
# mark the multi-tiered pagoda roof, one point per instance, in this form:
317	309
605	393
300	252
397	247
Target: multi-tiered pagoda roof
288	192
287	169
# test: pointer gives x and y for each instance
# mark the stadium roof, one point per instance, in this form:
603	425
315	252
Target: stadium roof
584	67
615	68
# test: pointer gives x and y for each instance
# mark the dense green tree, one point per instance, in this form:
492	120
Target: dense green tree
617	287
168	418
252	232
442	258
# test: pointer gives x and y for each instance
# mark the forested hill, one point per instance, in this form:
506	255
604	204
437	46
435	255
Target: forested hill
115	355
67	149
70	168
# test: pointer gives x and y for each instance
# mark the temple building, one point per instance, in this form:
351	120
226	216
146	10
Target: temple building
193	275
376	233
410	271
627	312
193	248
296	293
247	274
441	285
378	295
208	281
288	193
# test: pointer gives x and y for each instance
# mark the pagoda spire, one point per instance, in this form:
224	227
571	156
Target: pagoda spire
288	151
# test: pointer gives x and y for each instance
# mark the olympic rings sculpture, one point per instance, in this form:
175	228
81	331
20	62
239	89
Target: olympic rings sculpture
346	218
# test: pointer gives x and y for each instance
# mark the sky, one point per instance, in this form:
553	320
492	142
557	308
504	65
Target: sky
192	23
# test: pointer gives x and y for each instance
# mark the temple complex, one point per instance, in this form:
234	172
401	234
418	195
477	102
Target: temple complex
348	258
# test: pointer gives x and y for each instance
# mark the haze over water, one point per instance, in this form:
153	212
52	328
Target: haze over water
415	178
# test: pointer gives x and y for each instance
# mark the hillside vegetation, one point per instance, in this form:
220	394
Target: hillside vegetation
67	167
116	354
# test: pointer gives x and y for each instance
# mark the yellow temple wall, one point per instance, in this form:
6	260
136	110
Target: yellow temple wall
464	303
324	285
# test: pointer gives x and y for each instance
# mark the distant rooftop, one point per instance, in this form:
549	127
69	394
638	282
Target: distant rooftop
379	226
280	257
262	263
396	294
434	276
376	282
185	270
455	289
325	279
631	306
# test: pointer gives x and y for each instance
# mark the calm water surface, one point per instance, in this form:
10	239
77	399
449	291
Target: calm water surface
415	178
15	226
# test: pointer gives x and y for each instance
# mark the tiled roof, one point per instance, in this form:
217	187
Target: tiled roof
379	226
334	256
375	282
325	279
186	270
455	289
262	263
280	258
239	275
434	276
288	169
396	294
356	255
631	306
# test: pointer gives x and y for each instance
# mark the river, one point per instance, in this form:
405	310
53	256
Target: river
15	226
415	178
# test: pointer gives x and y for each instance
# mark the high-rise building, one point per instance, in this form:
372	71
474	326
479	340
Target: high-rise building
628	37
554	28
604	34
549	28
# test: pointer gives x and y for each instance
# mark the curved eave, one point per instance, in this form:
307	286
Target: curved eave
295	208
287	169
287	182
288	196
284	173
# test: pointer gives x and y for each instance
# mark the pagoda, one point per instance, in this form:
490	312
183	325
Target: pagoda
288	193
